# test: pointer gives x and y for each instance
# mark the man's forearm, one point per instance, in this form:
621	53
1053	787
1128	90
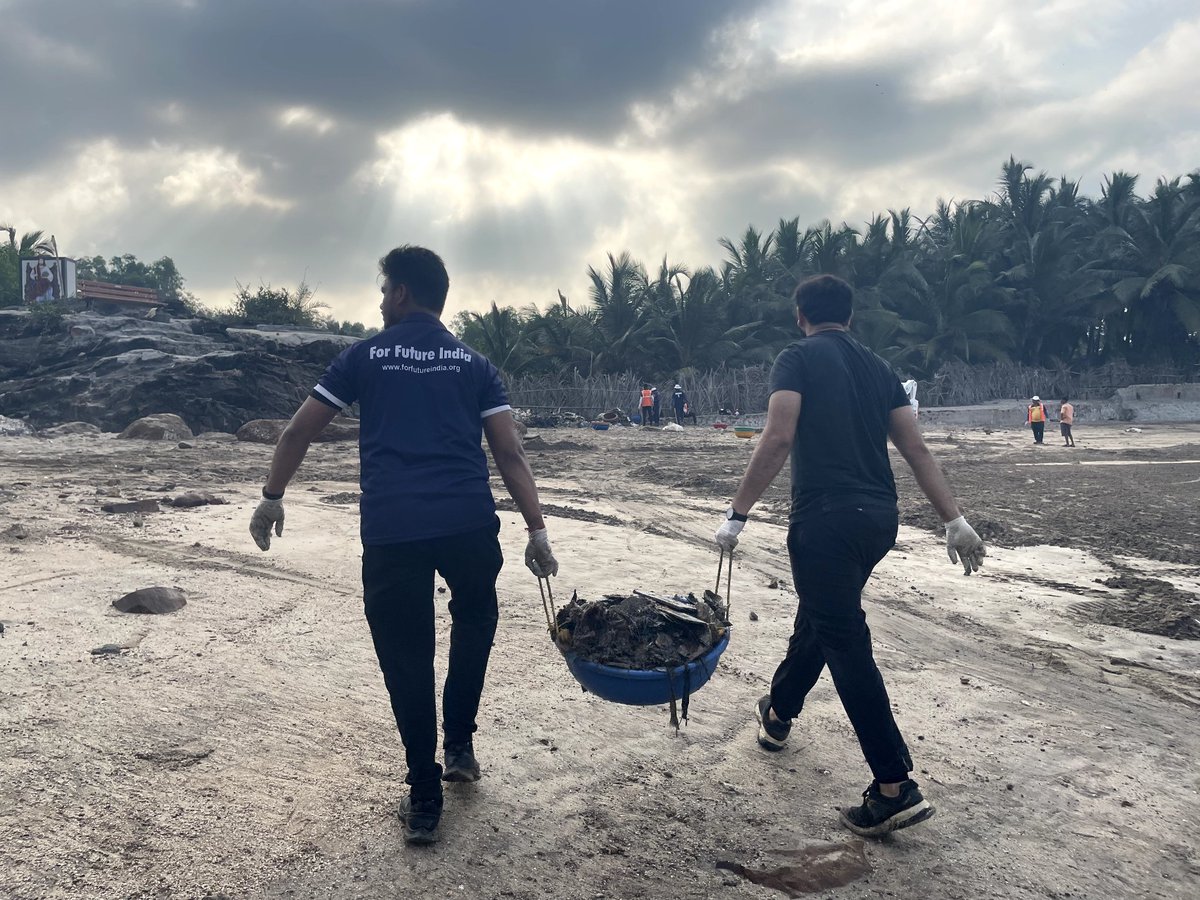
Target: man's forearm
769	457
289	453
933	483
518	478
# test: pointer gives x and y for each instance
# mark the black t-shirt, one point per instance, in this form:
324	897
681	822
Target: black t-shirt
840	455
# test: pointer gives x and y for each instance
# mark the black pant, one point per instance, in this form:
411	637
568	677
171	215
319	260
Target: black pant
679	415
833	553
1039	431
398	598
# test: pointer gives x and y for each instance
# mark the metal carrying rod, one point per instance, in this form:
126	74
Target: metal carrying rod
728	582
548	607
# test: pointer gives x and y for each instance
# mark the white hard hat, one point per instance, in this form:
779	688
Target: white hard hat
1037	398
677	387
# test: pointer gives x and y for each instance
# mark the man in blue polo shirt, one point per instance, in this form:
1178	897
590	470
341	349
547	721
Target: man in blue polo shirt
425	401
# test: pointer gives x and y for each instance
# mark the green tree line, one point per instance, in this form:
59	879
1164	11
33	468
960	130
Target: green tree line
264	305
1036	274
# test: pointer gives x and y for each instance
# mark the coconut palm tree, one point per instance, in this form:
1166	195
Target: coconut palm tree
563	337
689	323
619	312
1153	250
499	334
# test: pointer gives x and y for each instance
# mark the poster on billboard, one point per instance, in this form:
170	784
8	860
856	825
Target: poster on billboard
46	279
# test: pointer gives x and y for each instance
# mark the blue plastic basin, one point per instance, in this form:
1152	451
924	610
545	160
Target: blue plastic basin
600	426
645	687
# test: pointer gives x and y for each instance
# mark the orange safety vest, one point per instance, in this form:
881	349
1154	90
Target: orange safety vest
1037	414
647	400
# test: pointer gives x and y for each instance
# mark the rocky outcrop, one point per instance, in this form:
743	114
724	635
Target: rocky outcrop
110	370
161	427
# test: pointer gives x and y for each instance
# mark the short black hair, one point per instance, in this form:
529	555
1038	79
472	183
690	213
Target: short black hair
825	298
421	271
1065	400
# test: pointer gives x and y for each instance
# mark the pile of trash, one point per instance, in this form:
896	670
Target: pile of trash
641	631
614	417
557	419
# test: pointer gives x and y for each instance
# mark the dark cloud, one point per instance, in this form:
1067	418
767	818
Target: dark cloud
851	115
533	65
835	128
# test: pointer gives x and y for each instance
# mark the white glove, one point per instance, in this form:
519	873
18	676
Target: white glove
964	545
269	512
538	555
727	535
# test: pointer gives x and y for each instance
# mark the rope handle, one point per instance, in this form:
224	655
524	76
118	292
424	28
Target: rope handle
728	582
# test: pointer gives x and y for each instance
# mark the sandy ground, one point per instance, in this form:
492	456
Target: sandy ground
244	747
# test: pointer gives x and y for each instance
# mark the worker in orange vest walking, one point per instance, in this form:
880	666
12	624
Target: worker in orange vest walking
647	408
1035	418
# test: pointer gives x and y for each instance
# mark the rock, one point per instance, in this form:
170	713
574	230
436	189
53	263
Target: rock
152	601
15	532
339	430
522	428
71	428
216	436
342	498
132	506
753	616
159	427
105	649
186	445
267	431
193	499
262	431
81	332
12	427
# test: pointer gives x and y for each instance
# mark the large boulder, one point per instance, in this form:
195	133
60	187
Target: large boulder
262	431
160	427
267	431
12	427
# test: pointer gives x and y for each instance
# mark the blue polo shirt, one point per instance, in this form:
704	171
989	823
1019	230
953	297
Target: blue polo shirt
422	397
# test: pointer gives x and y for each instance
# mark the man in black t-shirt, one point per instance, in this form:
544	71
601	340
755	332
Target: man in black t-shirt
833	404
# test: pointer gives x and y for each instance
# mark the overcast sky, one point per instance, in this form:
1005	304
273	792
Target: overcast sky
525	139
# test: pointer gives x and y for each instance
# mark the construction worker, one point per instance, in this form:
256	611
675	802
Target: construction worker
1066	418
655	404
425	398
646	410
1035	418
679	401
833	404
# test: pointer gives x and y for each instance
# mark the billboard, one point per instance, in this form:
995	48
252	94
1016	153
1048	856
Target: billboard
45	279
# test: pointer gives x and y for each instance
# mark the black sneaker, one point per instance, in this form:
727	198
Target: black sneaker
460	763
879	814
420	819
772	735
